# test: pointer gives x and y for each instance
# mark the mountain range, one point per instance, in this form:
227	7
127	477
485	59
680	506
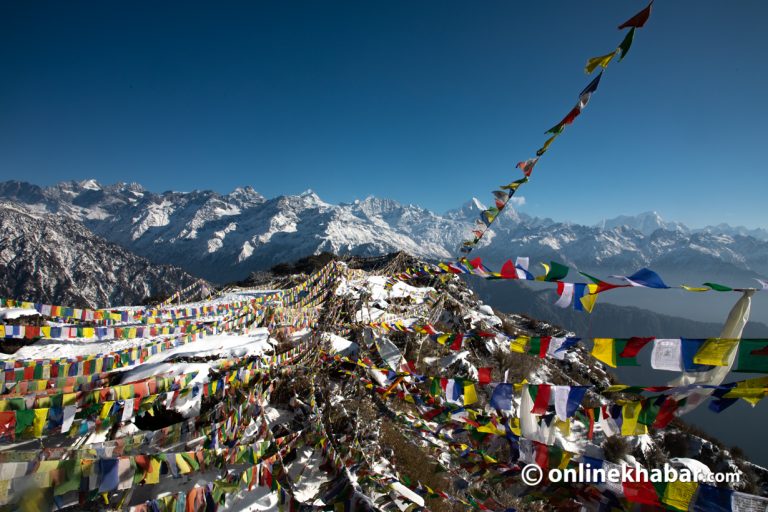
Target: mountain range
224	237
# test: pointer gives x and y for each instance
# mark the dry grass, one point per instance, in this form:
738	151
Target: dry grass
417	464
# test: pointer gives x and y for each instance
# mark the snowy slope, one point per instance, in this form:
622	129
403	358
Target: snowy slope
54	259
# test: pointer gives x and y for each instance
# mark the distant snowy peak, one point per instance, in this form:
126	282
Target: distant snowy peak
726	229
468	211
646	223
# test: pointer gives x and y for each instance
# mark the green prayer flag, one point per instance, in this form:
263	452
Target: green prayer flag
753	356
626	43
719	287
434	388
619	346
649	412
556	271
24	420
535	346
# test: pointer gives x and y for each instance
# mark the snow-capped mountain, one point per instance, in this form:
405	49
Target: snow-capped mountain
646	223
224	237
54	259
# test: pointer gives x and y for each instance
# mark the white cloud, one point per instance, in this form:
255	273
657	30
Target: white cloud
517	201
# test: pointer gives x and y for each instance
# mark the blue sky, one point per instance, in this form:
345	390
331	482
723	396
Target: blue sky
428	102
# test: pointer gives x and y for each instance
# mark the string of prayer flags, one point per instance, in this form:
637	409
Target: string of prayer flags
488	216
580	295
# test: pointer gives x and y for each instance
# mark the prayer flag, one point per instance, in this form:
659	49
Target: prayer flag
644	278
753	356
601	61
553	272
502	397
716	352
565	291
679	495
541	400
667	355
626	44
639	19
527	166
470	396
567	400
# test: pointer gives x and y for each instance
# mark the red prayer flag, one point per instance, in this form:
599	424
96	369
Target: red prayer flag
508	270
544	346
640	492
591	416
573	114
542	399
484	376
634	345
456	345
666	413
639	19
542	455
7	424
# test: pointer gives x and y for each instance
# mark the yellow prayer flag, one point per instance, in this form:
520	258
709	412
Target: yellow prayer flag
751	390
603	350
45	331
630	413
543	148
41	418
106	409
514	426
470	396
519	344
588	302
601	61
694	288
678	495
716	352
69	399
490	428
153	475
182	465
546	267
89	332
